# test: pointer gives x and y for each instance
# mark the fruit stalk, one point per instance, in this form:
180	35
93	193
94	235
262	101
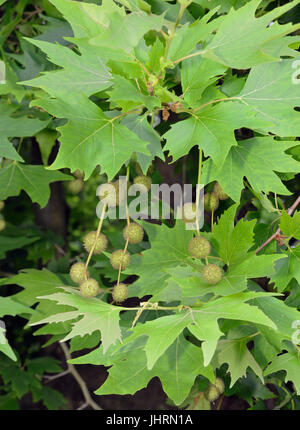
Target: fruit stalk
97	235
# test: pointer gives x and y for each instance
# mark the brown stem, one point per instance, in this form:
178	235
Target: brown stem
88	399
289	212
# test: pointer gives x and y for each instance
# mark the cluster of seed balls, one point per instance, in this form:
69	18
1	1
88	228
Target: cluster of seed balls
119	259
77	184
211	200
2	220
199	247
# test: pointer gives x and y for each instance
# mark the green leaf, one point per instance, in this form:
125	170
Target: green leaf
87	20
8	243
33	179
235	353
46	140
52	399
125	32
96	315
20	381
272	93
289	362
251	388
224	7
282	315
234	280
5	347
127	95
35	283
90	137
139	125
212	129
169	247
41	365
53	30
15	127
205	320
202	322
162	332
187	36
243	46
86	342
249	158
85	74
9	85
8	306
156	53
197	73
232	241
290	225
177	370
287	268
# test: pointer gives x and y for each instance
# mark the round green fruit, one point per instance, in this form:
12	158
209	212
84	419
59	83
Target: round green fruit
111	194
2	204
212	393
76	186
120	293
79	174
89	288
189	212
77	273
212	274
211	202
101	242
143	180
2	224
118	257
199	247
219	192
133	232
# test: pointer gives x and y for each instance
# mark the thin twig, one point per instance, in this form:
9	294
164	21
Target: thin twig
96	238
83	406
289	212
81	383
121	262
58	375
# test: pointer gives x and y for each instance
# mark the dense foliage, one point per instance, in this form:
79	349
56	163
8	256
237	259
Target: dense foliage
200	92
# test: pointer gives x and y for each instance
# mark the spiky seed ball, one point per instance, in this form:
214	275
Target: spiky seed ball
211	202
143	180
212	274
89	240
199	247
89	288
2	224
77	273
117	257
219	383
212	393
2	204
133	232
79	174
112	193
76	186
189	212
218	190
120	293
